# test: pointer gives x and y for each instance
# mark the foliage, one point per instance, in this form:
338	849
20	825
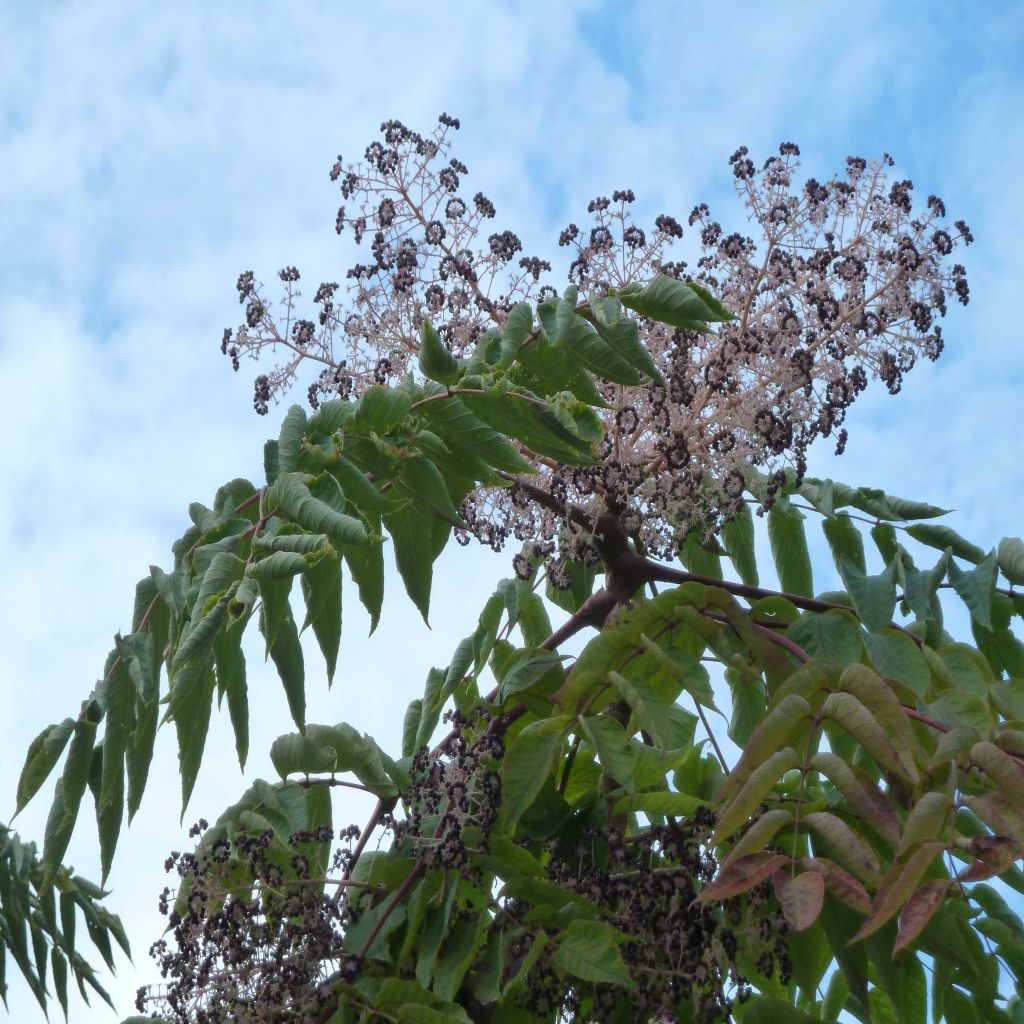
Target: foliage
580	845
38	920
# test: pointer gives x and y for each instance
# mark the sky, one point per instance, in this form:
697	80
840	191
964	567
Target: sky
150	154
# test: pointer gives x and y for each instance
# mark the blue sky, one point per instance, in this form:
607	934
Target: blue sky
150	154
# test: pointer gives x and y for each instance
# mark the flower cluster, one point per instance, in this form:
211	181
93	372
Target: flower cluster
840	282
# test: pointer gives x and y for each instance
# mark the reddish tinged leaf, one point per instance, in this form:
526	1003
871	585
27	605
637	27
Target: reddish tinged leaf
1002	769
995	854
847	847
928	818
1001	815
840	883
742	875
761	782
850	714
759	834
801	896
861	793
899	884
918	911
875	693
790	717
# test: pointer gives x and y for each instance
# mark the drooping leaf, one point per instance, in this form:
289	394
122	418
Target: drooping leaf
738	537
648	711
789	548
436	361
874	597
1010	555
321	589
977	588
943	537
43	753
612	747
590	950
70	788
787	721
414	554
752	792
845	541
291	494
800	896
191	699
528	763
277	624
677	303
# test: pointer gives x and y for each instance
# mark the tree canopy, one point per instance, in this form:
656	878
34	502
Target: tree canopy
569	836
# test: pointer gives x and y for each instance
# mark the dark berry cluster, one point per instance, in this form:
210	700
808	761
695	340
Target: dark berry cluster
255	935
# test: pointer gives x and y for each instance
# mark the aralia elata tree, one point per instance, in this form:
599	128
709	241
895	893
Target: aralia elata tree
563	838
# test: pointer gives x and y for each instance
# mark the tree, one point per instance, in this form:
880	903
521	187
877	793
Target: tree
579	843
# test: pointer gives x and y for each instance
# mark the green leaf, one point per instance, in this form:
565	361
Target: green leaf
874	597
43	753
414	554
590	950
230	665
977	588
277	625
523	670
367	568
882	1011
528	763
597	355
289	443
436	361
834	635
942	537
380	409
278	565
292	496
738	537
853	717
139	754
784	724
1011	559
765	1010
676	303
896	656
752	791
191	698
422	482
612	746
623	337
68	793
516	329
537	428
321	589
789	548
464	432
845	541
649	712
690	674
835	998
